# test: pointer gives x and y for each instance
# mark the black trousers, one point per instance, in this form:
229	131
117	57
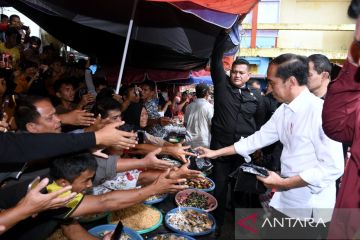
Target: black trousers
222	168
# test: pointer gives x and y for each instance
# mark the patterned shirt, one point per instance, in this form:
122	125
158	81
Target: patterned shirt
152	108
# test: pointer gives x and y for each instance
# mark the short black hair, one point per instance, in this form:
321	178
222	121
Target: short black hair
321	63
63	81
107	92
99	81
69	167
253	80
354	9
150	84
292	65
201	90
13	16
241	61
26	112
4	16
125	90
185	93
34	39
104	105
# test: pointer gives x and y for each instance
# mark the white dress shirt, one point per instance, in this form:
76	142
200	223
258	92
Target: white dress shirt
307	152
197	118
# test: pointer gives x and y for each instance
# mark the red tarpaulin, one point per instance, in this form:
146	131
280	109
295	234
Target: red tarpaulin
227	6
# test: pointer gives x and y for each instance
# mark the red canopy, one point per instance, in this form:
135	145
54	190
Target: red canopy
227	6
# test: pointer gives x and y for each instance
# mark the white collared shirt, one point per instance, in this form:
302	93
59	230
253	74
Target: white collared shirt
198	117
307	152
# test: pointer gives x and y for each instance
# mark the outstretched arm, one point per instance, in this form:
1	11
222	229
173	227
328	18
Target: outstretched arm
119	199
33	203
217	69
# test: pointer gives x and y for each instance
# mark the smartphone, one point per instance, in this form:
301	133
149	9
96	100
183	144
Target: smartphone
140	137
254	169
118	231
33	184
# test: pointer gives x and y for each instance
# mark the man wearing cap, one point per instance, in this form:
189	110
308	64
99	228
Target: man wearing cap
198	117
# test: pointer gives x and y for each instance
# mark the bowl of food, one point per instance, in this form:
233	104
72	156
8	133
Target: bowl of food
140	217
197	199
57	235
127	233
190	221
156	199
171	236
201	183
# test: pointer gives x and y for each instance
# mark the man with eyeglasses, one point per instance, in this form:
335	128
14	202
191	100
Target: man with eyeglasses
238	112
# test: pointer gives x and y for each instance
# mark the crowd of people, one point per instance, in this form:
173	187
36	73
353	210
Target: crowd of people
65	132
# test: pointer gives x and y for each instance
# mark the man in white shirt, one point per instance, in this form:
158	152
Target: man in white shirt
198	117
310	161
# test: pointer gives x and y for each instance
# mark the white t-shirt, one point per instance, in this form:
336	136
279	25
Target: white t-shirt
198	117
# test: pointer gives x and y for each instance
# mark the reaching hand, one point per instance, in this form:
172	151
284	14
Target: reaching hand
97	125
118	98
178	152
164	184
271	181
78	118
184	172
152	162
85	100
206	153
111	136
35	201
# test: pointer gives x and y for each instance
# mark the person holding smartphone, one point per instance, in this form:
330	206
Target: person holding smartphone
310	161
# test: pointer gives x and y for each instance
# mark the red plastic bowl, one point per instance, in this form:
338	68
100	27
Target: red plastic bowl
182	195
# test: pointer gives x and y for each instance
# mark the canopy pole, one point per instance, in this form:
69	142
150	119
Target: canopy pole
126	46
